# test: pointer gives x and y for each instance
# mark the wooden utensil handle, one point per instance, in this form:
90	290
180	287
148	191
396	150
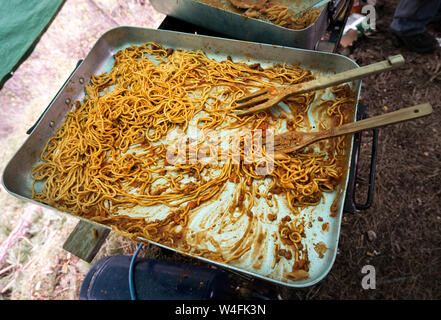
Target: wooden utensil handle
414	112
392	62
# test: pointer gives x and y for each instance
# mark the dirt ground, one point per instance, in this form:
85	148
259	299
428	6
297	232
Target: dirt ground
399	235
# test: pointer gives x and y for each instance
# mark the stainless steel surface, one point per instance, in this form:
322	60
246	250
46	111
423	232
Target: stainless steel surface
221	18
313	6
17	180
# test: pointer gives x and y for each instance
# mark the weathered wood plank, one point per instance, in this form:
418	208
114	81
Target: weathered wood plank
85	240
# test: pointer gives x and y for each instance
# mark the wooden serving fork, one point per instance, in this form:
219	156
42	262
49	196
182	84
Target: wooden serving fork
270	96
293	141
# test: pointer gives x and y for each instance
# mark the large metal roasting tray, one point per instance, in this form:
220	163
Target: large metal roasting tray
17	179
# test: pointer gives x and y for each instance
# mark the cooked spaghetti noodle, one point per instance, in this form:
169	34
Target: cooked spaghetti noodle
281	16
110	153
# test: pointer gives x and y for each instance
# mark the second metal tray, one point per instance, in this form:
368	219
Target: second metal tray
217	16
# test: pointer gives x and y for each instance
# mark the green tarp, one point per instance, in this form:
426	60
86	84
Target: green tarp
21	24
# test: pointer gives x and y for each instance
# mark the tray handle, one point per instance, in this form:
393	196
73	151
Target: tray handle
61	88
337	20
350	205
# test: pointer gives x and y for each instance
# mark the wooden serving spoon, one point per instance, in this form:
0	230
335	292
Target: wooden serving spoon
270	96
293	141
